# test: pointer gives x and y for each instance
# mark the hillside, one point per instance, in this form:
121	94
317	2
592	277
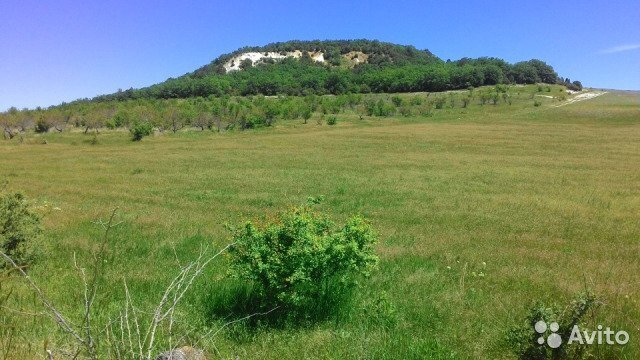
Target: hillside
221	95
339	67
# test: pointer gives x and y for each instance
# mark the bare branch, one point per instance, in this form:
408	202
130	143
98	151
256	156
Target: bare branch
57	316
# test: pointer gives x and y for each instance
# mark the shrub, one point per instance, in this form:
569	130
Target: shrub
405	111
484	97
465	101
120	119
110	124
332	120
416	100
523	338
426	110
501	88
19	228
576	85
439	102
42	126
397	101
379	108
140	129
301	259
494	98
537	103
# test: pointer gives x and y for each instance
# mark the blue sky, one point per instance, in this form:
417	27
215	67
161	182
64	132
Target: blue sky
54	51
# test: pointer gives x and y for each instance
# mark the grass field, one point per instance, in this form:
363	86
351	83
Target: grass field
480	212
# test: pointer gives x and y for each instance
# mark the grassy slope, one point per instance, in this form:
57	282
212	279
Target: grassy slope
547	197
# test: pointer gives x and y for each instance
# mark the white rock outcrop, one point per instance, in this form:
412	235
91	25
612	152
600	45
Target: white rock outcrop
256	57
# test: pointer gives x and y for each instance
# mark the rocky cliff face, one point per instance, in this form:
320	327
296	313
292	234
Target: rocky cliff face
352	58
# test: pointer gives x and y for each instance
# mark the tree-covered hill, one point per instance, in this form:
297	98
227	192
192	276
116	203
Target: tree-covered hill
388	68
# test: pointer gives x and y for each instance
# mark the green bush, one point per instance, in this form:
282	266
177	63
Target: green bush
140	129
332	120
405	111
110	124
42	126
501	88
537	103
379	108
494	98
397	101
523	338
466	100
302	259
19	228
415	100
439	102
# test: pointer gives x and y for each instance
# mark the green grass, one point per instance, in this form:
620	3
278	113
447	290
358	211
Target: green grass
547	197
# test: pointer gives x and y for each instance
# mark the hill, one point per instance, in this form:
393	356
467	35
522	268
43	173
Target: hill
339	67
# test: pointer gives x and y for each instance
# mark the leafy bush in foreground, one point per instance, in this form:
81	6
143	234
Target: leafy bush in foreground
302	258
19	227
523	338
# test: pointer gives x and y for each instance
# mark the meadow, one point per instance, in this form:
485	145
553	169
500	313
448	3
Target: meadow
481	211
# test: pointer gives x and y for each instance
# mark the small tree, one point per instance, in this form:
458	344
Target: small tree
59	120
140	129
577	85
484	97
494	98
465	101
306	113
203	120
271	111
7	123
43	124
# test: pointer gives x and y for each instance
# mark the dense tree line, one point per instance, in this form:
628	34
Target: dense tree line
389	68
304	77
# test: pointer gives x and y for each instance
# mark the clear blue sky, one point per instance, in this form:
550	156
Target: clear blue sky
54	51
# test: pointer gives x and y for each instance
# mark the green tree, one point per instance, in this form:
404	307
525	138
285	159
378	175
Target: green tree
525	73
306	113
337	83
246	64
140	129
